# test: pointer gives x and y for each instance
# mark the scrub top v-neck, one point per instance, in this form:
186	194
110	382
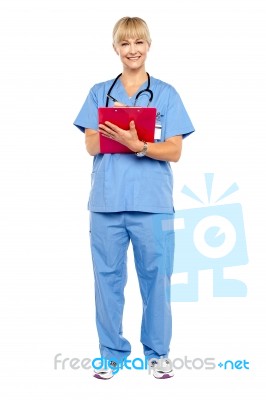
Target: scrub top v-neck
124	98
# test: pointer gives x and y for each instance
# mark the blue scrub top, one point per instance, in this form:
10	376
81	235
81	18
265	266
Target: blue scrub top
124	182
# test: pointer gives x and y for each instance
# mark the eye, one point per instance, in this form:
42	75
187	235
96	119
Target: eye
140	42
124	44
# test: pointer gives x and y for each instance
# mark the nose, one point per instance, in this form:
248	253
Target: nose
133	48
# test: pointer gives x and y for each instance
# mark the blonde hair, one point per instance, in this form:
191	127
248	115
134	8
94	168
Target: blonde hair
128	27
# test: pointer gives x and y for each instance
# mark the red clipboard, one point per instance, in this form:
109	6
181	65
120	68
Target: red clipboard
144	118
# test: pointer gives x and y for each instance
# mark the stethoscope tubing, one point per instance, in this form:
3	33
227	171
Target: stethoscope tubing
139	94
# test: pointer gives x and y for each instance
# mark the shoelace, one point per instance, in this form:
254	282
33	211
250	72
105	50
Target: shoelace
153	363
113	364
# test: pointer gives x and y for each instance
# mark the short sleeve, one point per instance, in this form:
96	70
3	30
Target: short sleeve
177	120
88	116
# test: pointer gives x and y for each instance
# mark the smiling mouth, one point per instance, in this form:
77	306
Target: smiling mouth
134	58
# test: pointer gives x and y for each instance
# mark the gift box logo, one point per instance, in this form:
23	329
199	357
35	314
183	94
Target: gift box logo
208	237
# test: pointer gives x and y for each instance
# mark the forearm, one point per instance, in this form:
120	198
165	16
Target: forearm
164	151
170	150
92	142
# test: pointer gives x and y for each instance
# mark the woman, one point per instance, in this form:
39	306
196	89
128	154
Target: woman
129	191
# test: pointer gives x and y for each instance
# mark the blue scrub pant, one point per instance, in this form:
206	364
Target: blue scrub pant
110	234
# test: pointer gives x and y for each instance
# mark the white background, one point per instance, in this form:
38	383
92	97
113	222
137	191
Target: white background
52	52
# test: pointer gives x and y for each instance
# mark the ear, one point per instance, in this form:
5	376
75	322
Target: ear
115	49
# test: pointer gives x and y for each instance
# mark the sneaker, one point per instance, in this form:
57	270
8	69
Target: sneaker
162	368
105	373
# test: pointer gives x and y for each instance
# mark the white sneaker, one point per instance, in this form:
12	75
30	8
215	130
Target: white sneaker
105	373
162	368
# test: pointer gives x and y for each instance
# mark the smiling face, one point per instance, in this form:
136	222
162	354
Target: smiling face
132	52
131	41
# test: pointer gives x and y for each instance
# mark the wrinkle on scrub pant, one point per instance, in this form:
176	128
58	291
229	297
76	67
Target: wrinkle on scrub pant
110	234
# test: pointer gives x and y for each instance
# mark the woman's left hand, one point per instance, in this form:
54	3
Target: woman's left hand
128	138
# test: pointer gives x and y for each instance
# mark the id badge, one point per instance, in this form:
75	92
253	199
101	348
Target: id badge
158	131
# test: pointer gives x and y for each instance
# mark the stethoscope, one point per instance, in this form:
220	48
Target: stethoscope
148	90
